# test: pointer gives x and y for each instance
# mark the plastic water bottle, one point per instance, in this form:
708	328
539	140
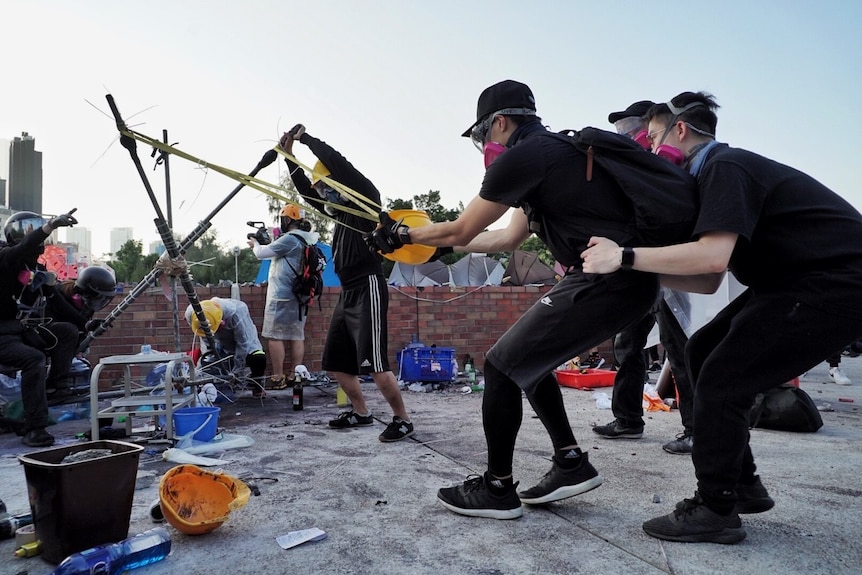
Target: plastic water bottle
115	558
297	392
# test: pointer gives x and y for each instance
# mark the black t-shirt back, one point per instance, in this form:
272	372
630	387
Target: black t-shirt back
547	178
789	224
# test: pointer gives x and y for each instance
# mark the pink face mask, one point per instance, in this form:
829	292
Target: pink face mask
641	139
671	154
491	150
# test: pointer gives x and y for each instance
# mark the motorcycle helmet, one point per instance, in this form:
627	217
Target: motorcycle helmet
20	224
97	286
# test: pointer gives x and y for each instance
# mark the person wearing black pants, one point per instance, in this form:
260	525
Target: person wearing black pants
627	401
23	302
798	247
552	185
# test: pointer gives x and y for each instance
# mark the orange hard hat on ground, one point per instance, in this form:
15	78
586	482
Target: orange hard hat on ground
412	254
196	501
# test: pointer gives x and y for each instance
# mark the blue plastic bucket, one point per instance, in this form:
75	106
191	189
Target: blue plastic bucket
203	421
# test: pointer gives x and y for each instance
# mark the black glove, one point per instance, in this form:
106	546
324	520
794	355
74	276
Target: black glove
93	325
295	129
389	236
63	220
439	253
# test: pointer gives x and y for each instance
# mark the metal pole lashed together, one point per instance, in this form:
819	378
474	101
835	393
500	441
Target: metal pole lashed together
174	252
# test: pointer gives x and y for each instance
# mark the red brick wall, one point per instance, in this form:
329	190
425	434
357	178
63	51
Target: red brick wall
469	320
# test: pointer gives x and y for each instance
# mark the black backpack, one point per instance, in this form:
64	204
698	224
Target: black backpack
664	196
785	408
308	283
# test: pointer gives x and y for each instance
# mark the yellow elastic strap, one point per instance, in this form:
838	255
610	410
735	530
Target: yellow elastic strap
273	190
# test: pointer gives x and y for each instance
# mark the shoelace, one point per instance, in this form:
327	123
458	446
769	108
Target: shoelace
474	483
688	506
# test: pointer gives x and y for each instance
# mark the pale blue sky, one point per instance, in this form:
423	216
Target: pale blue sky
392	84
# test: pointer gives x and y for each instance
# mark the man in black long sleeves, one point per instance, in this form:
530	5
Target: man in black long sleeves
357	340
22	301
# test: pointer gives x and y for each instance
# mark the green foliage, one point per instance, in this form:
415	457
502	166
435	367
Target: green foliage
208	262
430	203
129	263
534	244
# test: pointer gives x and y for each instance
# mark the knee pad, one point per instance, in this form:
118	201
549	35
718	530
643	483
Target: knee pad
256	361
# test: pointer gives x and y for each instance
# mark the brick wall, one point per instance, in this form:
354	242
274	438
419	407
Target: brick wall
469	320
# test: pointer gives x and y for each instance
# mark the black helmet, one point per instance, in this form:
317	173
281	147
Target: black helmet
97	286
20	224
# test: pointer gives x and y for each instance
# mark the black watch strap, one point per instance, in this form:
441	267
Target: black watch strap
628	258
404	235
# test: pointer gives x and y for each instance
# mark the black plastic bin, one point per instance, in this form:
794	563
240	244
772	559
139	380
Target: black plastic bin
81	504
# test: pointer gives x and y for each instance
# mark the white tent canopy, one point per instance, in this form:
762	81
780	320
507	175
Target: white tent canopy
476	270
424	275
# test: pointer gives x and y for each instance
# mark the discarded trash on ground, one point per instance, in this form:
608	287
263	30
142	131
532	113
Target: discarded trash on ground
603	400
177	455
196	501
295	538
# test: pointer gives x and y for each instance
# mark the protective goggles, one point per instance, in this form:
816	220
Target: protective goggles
479	133
628	126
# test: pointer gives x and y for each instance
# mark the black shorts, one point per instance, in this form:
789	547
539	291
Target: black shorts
356	342
579	313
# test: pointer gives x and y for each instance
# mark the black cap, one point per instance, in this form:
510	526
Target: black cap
636	110
502	95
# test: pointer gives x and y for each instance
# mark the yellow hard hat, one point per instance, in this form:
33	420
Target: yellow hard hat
213	313
196	501
291	211
412	254
319	171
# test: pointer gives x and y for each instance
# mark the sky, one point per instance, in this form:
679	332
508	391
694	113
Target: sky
392	84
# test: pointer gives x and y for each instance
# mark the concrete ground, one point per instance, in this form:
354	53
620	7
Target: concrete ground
377	501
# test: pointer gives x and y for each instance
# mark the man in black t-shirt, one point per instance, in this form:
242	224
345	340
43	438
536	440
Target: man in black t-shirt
356	341
798	247
545	180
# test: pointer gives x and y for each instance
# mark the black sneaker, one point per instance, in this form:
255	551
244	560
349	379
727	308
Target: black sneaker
693	522
560	483
257	390
679	446
38	438
474	498
617	430
350	418
753	498
397	430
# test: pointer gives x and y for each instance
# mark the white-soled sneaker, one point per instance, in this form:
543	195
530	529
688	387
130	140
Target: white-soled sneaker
838	377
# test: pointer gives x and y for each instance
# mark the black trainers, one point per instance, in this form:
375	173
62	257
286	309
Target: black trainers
257	390
397	430
38	438
679	446
560	483
753	498
617	430
474	498
693	522
350	418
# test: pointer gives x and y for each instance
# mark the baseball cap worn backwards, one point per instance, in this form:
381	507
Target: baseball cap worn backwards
636	110
504	95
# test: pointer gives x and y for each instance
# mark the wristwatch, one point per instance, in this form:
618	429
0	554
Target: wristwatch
404	235
627	260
